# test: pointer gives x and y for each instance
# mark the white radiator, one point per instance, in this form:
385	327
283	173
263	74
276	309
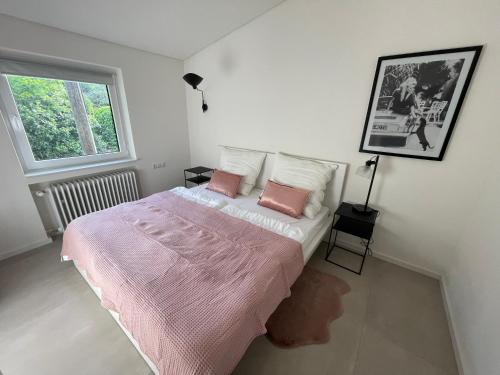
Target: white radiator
71	199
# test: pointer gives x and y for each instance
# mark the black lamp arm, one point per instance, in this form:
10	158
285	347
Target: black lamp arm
204	105
373	161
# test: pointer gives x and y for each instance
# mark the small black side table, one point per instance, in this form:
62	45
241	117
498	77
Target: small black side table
199	177
353	223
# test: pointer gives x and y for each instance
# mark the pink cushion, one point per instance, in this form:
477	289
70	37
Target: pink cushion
225	183
283	198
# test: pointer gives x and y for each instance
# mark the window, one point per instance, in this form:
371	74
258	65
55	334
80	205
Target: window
60	117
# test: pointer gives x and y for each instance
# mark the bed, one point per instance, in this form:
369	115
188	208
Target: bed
205	272
312	229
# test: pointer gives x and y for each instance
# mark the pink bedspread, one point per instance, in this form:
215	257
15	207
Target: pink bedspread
193	285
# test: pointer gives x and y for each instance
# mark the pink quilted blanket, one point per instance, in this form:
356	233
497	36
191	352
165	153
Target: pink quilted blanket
193	285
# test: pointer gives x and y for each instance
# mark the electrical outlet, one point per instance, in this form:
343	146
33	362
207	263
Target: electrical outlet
159	165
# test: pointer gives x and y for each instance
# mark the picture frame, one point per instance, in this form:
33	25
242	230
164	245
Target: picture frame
415	102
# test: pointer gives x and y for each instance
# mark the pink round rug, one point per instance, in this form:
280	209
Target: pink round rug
304	317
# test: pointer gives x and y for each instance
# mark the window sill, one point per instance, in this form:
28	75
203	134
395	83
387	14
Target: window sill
76	171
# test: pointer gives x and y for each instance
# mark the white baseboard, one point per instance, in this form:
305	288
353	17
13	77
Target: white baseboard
452	327
405	264
392	259
24	249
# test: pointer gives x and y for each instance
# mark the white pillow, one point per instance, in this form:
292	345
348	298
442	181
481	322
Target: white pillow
306	174
244	163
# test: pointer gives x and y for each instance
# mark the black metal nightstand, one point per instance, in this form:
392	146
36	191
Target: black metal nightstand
199	177
351	222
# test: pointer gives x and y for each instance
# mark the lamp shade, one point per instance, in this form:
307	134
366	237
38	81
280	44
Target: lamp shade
192	79
364	171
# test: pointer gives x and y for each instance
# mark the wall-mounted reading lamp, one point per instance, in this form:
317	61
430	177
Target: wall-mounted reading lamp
194	80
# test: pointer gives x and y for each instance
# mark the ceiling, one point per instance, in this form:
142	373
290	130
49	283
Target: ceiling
175	28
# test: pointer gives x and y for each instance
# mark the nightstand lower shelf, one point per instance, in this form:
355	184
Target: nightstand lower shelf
331	247
200	179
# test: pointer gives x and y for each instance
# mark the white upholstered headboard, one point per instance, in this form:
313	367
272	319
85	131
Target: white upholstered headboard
334	189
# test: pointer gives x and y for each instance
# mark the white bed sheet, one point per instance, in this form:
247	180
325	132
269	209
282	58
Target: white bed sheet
310	227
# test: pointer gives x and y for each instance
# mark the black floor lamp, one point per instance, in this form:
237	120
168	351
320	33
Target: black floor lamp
366	171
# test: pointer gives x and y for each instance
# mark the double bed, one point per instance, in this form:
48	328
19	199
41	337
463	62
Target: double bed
192	276
311	231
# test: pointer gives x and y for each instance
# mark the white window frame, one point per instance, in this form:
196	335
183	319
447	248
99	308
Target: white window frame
22	146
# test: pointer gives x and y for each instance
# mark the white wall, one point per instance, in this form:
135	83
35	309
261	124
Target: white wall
298	79
20	225
156	102
473	280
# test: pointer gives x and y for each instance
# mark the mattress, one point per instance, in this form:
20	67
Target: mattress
310	227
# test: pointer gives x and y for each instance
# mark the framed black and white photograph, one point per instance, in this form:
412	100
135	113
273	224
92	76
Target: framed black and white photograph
415	101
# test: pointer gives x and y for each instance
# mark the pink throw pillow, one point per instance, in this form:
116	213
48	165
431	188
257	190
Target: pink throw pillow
225	183
283	198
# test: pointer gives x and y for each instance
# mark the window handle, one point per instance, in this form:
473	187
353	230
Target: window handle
16	122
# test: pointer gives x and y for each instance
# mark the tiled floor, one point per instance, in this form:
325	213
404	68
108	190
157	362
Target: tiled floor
52	323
